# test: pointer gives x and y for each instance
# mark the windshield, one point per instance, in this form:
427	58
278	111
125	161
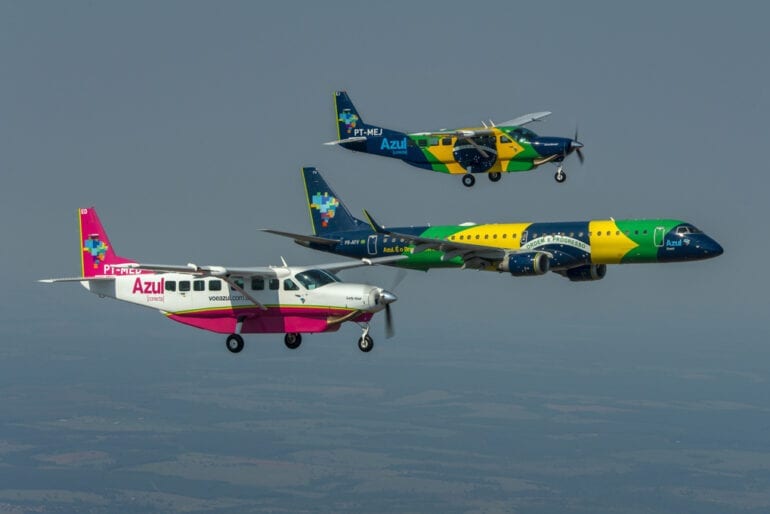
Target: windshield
687	229
523	135
315	278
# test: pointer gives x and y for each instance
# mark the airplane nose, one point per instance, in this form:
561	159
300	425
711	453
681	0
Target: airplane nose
387	297
575	145
713	248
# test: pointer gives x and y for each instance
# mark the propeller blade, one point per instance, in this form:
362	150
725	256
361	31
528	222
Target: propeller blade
581	157
389	330
400	276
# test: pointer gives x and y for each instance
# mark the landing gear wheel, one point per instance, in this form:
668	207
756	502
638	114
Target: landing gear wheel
495	176
234	343
365	343
468	180
560	176
292	340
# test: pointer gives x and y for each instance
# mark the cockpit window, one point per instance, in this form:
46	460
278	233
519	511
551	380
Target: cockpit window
523	135
315	278
687	229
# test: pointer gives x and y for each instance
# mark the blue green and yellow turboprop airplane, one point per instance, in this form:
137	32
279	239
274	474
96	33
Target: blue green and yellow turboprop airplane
492	149
577	250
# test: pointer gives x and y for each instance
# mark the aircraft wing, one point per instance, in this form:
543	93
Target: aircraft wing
339	266
474	256
348	140
300	237
527	118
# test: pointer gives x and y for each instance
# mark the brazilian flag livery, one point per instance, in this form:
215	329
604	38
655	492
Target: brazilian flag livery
578	250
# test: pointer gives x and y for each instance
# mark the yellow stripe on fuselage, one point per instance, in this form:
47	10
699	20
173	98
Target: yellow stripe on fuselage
496	235
608	243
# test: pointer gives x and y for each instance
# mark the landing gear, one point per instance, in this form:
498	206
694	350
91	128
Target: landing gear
495	176
292	340
234	343
468	180
365	342
560	175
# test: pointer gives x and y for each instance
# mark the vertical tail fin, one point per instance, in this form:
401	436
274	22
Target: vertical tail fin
96	252
327	212
348	119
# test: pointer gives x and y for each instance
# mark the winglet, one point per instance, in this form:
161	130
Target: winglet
375	226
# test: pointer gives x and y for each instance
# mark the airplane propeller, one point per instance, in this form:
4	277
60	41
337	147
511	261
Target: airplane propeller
577	145
386	298
389	330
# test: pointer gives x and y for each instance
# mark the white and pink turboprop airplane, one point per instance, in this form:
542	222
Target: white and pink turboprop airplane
275	299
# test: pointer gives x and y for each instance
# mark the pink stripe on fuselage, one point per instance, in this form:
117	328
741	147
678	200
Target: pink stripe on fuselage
274	320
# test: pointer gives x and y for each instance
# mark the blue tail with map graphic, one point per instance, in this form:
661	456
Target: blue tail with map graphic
327	212
358	136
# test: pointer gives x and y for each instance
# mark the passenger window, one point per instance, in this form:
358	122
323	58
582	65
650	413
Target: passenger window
505	139
215	285
273	284
184	286
433	141
446	141
288	285
199	285
257	283
170	285
422	142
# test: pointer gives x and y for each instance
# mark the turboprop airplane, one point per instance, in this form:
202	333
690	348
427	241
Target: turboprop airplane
577	250
492	149
277	299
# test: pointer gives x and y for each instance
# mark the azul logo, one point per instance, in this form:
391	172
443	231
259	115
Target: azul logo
96	248
349	119
326	205
677	242
397	146
148	286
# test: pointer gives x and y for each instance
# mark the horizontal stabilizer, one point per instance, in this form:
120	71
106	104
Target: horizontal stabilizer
300	237
348	140
74	279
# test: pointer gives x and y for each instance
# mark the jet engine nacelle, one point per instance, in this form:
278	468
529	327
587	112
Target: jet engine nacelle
587	273
526	264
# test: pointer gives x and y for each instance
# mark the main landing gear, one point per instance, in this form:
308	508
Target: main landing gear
468	180
292	340
234	343
365	342
560	176
494	176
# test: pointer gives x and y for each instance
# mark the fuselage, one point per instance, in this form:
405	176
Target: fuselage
499	149
292	302
569	244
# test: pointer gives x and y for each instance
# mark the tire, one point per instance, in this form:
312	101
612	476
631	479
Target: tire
495	176
468	180
560	177
292	340
234	343
365	344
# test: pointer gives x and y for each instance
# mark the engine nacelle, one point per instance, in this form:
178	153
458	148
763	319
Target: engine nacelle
586	273
526	264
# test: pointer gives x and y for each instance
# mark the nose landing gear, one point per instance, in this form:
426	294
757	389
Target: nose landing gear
365	342
560	176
